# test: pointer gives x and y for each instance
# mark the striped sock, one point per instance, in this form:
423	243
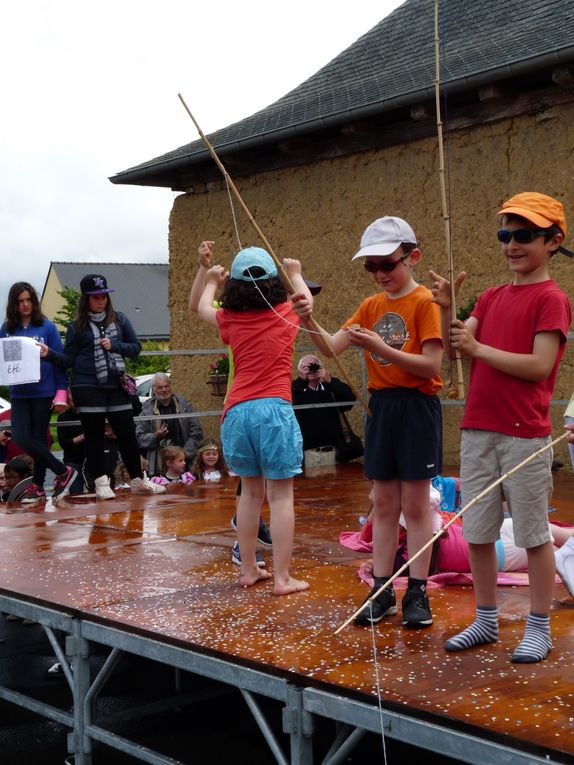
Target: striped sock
536	642
484	629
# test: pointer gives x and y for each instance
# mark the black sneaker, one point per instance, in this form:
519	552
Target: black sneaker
416	608
33	495
63	484
236	556
263	535
384	604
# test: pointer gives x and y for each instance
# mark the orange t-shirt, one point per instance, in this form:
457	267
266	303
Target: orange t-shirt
404	323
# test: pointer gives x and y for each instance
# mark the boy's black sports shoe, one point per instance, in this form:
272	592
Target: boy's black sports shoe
384	604
236	556
416	608
263	533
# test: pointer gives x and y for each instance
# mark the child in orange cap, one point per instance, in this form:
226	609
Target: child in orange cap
515	336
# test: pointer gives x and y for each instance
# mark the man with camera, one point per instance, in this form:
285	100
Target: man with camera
161	431
321	426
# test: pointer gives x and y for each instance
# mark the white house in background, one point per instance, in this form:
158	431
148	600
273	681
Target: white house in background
140	291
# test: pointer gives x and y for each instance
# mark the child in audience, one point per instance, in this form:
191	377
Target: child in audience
209	464
15	471
173	459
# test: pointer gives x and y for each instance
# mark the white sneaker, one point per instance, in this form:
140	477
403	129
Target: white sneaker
565	565
103	488
145	486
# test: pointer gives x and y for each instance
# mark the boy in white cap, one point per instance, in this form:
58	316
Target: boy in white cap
515	336
399	329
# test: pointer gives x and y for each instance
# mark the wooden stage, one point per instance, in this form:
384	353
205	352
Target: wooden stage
153	576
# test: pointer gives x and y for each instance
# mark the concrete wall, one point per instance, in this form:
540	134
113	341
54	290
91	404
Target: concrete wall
317	213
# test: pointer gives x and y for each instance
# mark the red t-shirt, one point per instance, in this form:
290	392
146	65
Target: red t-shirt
509	317
262	346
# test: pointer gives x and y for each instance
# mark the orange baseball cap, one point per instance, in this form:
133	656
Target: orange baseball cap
540	209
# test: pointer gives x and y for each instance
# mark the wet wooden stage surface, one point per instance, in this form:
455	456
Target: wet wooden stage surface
162	566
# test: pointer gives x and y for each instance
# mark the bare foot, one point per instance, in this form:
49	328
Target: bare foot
289	586
251	577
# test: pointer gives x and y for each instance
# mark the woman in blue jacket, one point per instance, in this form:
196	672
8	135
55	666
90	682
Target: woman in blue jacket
32	403
95	347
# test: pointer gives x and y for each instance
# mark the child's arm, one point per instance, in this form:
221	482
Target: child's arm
205	252
215	277
461	336
534	367
293	270
321	339
426	364
441	296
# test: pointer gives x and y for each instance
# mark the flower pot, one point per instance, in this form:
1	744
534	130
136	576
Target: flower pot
218	384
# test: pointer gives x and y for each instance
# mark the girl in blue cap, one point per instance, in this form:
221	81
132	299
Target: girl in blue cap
261	439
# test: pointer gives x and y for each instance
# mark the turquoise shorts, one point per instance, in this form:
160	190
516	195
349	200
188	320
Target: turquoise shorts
262	437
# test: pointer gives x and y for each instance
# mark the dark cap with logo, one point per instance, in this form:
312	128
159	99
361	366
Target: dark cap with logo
94	284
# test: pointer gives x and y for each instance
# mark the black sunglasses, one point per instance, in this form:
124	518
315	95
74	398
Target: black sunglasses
384	265
520	235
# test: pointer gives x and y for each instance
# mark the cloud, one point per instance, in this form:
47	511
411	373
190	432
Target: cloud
92	90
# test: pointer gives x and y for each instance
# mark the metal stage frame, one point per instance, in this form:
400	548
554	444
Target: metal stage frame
301	704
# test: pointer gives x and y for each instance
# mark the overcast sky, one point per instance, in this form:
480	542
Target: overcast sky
89	89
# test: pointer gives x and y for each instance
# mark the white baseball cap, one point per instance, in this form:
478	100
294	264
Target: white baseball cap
383	237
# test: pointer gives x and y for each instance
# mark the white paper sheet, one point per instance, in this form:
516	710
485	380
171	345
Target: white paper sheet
19	360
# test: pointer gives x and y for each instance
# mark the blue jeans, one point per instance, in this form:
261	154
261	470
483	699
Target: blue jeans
30	419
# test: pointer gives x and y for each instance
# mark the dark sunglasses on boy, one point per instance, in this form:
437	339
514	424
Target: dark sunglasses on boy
384	265
520	235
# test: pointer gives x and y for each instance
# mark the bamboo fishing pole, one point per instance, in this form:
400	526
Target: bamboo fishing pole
459	392
441	531
291	288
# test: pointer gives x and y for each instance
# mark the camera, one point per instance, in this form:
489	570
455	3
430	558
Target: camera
7	433
313	367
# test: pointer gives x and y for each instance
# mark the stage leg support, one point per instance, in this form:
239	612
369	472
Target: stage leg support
78	651
298	723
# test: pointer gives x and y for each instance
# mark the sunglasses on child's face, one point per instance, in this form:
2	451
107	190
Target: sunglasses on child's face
520	235
384	265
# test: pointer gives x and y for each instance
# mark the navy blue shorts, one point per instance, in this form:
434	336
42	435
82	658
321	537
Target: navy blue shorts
403	435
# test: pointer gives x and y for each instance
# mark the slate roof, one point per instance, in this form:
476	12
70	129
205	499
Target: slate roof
394	64
141	292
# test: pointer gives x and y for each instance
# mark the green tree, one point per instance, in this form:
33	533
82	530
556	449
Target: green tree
67	313
147	365
465	311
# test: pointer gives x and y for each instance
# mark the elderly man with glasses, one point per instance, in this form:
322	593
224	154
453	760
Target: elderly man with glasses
161	431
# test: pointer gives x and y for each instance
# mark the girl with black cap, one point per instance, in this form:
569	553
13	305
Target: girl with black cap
95	346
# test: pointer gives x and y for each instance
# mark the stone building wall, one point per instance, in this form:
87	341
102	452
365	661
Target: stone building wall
318	212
